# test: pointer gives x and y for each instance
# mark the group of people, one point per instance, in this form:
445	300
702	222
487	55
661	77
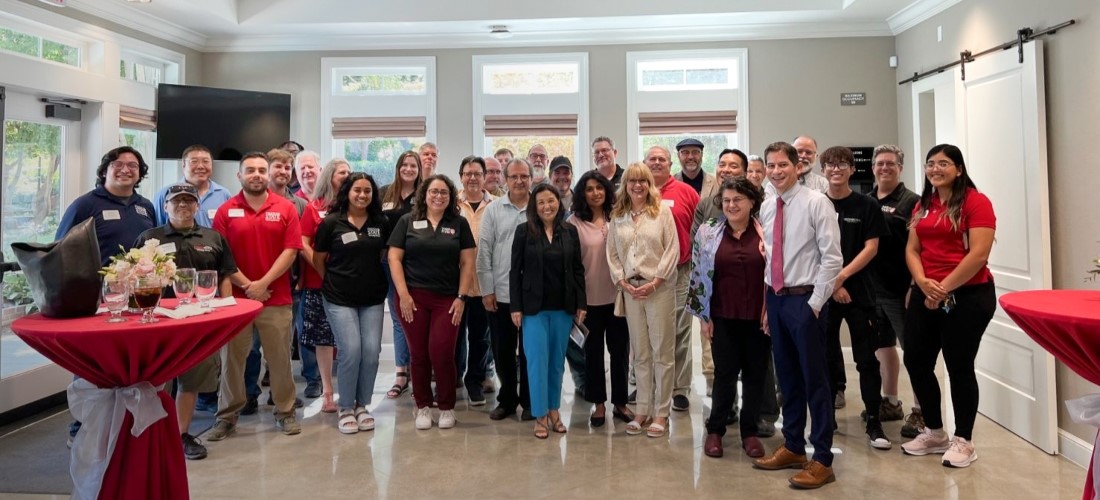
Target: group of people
490	277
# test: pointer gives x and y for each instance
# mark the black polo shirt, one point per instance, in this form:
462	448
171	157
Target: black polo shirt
199	247
432	254
353	271
890	272
860	219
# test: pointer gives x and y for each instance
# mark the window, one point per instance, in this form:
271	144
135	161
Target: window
528	99
377	108
33	157
149	65
36	46
675	95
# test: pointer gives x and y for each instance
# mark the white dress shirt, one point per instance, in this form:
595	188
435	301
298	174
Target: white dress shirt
811	241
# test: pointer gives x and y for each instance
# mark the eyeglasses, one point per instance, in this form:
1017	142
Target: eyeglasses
886	164
519	178
537	156
119	165
183	200
835	166
472	174
439	192
199	161
637	181
942	165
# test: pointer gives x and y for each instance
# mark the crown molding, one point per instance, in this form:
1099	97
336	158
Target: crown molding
916	13
127	15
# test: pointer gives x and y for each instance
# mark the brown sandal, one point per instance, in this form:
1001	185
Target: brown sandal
541	431
557	426
398	389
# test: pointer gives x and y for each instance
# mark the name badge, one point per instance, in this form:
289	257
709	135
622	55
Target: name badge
420	224
322	213
167	247
111	215
236	212
888	210
141	211
212	212
389	206
347	238
668	203
272	216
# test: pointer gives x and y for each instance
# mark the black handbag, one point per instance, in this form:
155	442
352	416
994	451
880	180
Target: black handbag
64	275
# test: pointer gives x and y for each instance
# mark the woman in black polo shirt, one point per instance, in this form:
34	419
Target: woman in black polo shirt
397	200
348	250
431	257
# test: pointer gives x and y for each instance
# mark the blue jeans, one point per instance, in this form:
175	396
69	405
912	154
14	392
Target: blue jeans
400	345
358	334
545	339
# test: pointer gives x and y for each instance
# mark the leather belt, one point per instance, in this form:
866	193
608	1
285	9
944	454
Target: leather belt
796	290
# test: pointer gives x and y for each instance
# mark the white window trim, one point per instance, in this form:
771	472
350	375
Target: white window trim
633	142
581	58
45	32
328	64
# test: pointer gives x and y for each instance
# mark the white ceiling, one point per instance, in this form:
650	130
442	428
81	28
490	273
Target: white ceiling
283	25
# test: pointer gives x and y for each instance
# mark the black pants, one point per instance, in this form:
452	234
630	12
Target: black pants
864	344
601	324
507	342
958	334
738	347
474	330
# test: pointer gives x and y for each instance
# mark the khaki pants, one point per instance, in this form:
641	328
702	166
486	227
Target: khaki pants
652	337
273	325
682	381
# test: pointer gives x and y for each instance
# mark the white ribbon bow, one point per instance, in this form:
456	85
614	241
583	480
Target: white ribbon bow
1086	410
100	412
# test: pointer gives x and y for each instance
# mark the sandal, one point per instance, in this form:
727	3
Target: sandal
655	430
541	431
557	426
347	423
364	419
328	406
635	427
398	389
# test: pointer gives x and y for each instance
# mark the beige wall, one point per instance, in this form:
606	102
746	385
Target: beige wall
1072	73
794	87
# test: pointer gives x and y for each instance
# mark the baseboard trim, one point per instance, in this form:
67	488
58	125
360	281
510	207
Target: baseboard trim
1074	449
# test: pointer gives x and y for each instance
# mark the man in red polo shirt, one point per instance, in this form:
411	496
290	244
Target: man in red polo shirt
682	200
263	232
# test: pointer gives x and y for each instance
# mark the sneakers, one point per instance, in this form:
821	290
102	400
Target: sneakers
288	425
765	429
192	449
961	453
475	395
891	412
680	403
423	418
313	390
839	402
447	419
914	424
221	430
875	437
927	443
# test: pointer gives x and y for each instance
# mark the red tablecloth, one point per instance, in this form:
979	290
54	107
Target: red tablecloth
113	355
1067	324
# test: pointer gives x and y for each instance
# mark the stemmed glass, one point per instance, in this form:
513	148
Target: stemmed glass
206	286
116	296
184	284
147	292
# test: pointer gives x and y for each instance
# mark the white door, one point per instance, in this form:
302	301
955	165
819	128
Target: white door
1000	125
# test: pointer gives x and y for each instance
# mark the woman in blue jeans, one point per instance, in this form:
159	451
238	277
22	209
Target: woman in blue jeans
348	250
397	200
548	295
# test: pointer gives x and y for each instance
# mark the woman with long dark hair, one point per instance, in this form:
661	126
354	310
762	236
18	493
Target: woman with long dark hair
593	198
397	200
951	302
348	248
547	289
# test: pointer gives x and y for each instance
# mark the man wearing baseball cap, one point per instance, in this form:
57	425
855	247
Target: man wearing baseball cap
691	173
561	177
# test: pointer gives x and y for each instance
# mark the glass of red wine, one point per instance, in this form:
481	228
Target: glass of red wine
147	292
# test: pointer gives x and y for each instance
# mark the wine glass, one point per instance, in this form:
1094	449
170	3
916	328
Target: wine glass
206	286
147	292
184	284
116	296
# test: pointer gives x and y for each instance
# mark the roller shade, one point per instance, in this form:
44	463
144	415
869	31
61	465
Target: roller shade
359	127
683	122
530	125
137	118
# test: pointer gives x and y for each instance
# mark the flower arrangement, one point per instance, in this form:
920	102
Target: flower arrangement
146	261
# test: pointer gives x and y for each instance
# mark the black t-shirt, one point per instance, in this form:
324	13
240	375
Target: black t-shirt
890	272
199	247
696	183
553	273
353	271
860	219
432	254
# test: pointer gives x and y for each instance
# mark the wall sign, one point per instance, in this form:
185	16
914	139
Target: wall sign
853	99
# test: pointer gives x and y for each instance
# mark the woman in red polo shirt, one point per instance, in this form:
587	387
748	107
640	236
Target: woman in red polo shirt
951	302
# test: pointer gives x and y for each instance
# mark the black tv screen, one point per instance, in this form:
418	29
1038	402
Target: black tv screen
228	122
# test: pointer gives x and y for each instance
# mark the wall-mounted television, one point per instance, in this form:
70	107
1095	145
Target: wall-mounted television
229	122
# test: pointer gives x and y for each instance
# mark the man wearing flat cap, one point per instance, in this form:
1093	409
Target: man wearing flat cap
691	173
203	249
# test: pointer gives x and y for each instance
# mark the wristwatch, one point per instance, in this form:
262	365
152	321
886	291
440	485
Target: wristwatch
462	297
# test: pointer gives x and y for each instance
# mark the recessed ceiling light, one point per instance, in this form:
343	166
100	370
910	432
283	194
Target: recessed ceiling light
140	1
500	31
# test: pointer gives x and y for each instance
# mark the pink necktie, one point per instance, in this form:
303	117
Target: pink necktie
777	246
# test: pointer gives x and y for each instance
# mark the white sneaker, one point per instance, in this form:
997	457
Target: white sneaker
960	454
447	419
926	443
423	418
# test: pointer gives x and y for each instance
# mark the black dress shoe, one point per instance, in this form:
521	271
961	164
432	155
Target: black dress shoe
501	413
313	390
633	397
680	403
622	416
250	406
597	421
526	416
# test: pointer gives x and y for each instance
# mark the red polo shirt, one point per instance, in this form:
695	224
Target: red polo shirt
312	216
681	200
941	246
258	237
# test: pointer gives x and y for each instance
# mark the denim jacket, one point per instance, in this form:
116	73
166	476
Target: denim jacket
707	240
